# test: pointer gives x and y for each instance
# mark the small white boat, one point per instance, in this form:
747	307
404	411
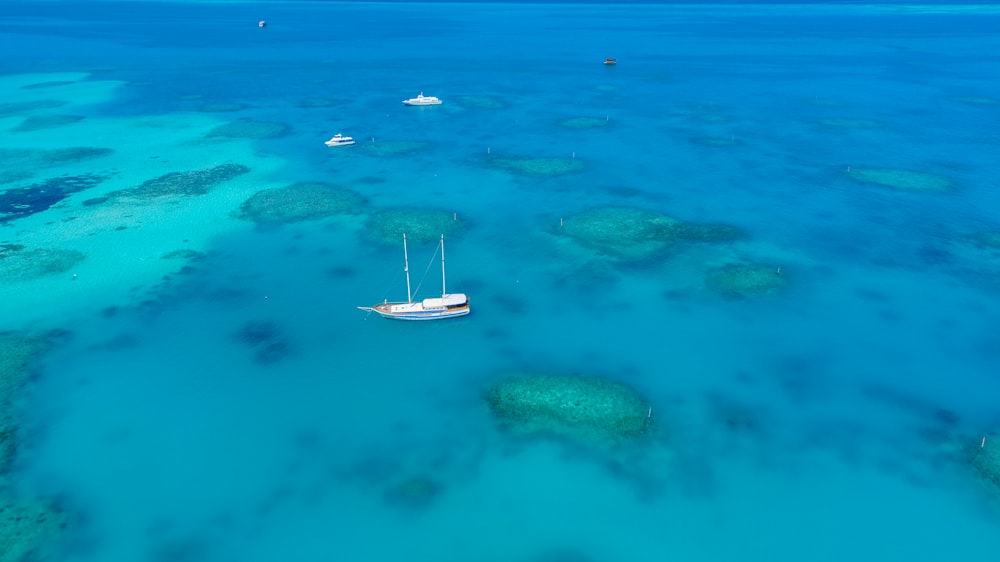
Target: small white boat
421	99
339	140
437	308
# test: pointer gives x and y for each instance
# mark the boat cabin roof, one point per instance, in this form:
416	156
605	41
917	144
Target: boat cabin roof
456	299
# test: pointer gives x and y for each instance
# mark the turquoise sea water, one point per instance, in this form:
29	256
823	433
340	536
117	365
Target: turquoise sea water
214	394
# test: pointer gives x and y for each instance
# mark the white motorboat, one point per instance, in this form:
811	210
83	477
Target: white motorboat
421	99
436	308
339	140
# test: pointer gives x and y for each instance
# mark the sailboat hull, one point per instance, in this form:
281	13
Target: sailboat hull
452	306
422	315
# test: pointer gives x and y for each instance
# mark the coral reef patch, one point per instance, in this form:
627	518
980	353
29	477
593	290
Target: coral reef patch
419	225
543	167
250	129
18	351
17	263
584	123
746	280
29	530
904	180
631	233
582	407
182	184
985	459
300	202
986	240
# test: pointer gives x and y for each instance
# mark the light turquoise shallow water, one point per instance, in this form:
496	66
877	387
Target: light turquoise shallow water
819	422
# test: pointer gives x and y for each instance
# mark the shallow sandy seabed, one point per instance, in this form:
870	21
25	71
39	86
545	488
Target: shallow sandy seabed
250	129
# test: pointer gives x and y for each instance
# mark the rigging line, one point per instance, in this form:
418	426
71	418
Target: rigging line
429	264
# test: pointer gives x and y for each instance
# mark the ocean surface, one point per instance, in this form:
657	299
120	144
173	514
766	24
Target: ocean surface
209	392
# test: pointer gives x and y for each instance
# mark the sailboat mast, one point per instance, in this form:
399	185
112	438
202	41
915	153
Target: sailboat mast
406	268
443	292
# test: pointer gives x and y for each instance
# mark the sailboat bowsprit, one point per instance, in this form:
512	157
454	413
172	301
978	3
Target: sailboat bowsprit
435	308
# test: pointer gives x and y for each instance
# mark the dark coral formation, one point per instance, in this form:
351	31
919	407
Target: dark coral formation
24	201
746	280
585	407
419	225
40	122
250	129
182	184
20	107
184	254
266	341
18	263
414	492
300	202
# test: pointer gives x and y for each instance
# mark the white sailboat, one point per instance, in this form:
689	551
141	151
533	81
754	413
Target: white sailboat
437	308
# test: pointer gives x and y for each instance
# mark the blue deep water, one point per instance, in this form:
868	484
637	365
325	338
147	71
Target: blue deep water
214	394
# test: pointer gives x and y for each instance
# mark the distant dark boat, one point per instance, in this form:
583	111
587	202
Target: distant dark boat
610	61
261	23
